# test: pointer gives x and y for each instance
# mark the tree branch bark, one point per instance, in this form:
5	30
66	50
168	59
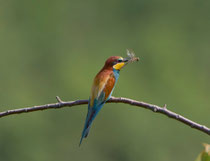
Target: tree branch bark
154	108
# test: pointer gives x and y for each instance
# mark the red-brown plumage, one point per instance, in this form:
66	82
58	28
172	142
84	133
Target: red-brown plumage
109	85
104	80
110	61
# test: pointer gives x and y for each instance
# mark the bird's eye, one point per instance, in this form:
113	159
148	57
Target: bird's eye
119	60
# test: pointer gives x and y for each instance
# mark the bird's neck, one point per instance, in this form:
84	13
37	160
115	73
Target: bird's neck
116	73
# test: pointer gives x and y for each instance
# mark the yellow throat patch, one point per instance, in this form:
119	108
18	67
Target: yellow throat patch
118	66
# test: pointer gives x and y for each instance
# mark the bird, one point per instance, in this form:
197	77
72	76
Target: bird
102	88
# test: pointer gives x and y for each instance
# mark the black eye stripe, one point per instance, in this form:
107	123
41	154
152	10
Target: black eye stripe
119	60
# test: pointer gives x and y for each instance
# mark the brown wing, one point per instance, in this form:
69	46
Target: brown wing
109	86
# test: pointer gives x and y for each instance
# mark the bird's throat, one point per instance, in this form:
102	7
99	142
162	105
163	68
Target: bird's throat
118	66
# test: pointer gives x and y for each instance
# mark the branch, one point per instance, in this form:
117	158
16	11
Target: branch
154	108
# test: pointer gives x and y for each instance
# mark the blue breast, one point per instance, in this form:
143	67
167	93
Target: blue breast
116	74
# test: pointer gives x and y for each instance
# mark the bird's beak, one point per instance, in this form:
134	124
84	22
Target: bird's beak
125	60
120	65
130	60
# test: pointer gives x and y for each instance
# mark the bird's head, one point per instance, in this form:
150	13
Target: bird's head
116	62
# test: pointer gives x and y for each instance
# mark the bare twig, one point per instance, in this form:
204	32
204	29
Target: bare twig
58	99
154	108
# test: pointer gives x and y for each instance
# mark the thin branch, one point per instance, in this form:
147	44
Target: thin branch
154	108
58	99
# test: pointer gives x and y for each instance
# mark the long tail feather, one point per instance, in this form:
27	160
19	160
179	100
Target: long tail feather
84	134
92	112
87	125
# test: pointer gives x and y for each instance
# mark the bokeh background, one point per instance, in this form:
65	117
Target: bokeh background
50	48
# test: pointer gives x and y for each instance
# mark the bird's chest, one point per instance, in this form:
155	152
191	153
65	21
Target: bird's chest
116	74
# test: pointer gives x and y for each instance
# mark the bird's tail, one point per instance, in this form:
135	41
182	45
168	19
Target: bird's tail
88	122
84	134
87	126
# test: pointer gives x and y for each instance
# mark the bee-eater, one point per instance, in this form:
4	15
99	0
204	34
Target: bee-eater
102	88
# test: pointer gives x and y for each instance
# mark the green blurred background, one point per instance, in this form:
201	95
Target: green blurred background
51	48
